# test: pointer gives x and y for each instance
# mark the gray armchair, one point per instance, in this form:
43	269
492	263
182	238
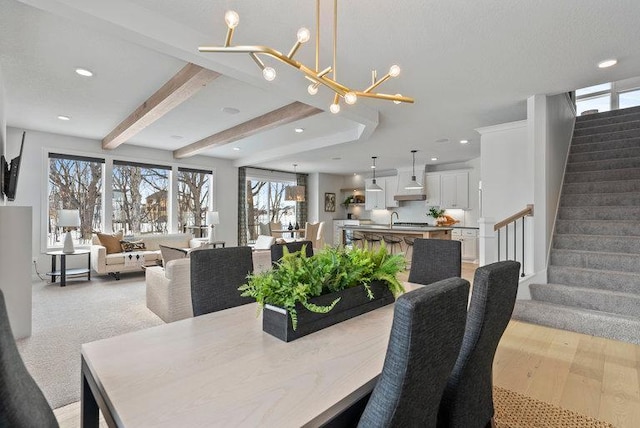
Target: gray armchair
434	260
22	404
467	401
216	275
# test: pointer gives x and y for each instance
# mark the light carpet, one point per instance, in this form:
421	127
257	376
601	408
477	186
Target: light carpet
513	410
66	317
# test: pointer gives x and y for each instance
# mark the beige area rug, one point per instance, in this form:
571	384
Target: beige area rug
66	317
513	410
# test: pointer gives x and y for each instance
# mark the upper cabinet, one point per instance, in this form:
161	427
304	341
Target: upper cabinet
454	190
449	189
432	186
381	200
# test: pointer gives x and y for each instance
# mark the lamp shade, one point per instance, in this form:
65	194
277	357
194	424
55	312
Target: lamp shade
213	217
294	193
69	218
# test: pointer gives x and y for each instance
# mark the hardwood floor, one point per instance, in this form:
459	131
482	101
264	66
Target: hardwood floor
593	376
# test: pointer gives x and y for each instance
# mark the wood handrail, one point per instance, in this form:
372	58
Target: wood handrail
516	216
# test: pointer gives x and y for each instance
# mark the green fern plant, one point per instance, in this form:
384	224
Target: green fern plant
298	278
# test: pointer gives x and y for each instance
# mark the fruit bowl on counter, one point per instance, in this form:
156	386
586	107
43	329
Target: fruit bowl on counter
446	220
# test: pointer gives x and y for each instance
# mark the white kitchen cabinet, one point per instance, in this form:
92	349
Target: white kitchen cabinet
469	242
432	186
390	190
454	190
375	200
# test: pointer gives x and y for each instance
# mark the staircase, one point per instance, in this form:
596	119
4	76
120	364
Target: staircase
594	271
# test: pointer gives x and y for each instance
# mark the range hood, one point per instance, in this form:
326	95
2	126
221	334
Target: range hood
415	197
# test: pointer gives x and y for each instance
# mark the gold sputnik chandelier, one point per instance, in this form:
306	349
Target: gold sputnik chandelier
316	76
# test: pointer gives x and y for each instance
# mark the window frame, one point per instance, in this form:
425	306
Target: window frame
107	193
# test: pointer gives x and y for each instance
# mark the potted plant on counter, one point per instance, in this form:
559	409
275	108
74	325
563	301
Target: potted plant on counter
305	294
437	214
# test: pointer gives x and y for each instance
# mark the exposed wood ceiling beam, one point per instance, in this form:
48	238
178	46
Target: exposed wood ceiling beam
283	115
185	83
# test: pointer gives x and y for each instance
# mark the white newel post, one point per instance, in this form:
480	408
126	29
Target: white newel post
488	243
15	267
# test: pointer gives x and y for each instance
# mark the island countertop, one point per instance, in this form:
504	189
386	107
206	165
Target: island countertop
424	231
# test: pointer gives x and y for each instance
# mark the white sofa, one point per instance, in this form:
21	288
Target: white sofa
113	264
169	288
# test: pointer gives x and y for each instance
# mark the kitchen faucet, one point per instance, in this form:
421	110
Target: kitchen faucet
391	219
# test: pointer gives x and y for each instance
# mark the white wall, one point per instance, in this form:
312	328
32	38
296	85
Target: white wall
32	185
3	125
551	121
321	184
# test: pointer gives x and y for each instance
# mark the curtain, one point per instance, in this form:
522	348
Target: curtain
242	206
301	207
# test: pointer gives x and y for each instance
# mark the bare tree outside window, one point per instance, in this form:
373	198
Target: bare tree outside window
139	198
74	183
266	204
194	188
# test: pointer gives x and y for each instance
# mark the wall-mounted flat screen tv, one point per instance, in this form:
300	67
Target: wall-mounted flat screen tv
10	173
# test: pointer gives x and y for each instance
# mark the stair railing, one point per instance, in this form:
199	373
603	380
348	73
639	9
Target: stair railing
503	227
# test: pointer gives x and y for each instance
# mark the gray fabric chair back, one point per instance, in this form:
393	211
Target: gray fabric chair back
434	260
22	404
277	249
468	400
428	325
216	275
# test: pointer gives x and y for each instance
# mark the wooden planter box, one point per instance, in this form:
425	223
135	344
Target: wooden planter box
354	301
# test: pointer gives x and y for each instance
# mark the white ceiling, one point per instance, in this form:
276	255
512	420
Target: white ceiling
467	64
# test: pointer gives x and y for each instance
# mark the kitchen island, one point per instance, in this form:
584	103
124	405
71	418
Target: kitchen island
431	232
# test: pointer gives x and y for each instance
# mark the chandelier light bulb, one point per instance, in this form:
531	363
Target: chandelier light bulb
304	35
312	89
394	71
396	101
350	98
334	108
232	18
269	74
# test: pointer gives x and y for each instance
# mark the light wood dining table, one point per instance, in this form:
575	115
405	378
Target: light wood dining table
221	369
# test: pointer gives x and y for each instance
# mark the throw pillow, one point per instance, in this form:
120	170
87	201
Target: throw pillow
111	242
171	253
128	246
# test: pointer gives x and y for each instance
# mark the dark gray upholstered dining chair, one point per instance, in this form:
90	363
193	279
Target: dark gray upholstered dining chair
435	259
22	404
277	250
428	325
216	274
467	401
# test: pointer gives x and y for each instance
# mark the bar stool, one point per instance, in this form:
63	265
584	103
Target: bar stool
357	240
372	239
409	241
392	242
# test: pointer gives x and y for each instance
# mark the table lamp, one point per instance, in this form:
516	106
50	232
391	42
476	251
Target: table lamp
212	219
68	219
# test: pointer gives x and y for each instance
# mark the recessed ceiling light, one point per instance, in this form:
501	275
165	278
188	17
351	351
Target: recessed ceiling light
84	72
230	110
464	141
299	130
61	117
237	149
607	63
177	137
434	159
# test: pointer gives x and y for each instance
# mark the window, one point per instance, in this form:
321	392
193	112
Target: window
266	204
75	182
600	103
629	99
140	198
194	188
